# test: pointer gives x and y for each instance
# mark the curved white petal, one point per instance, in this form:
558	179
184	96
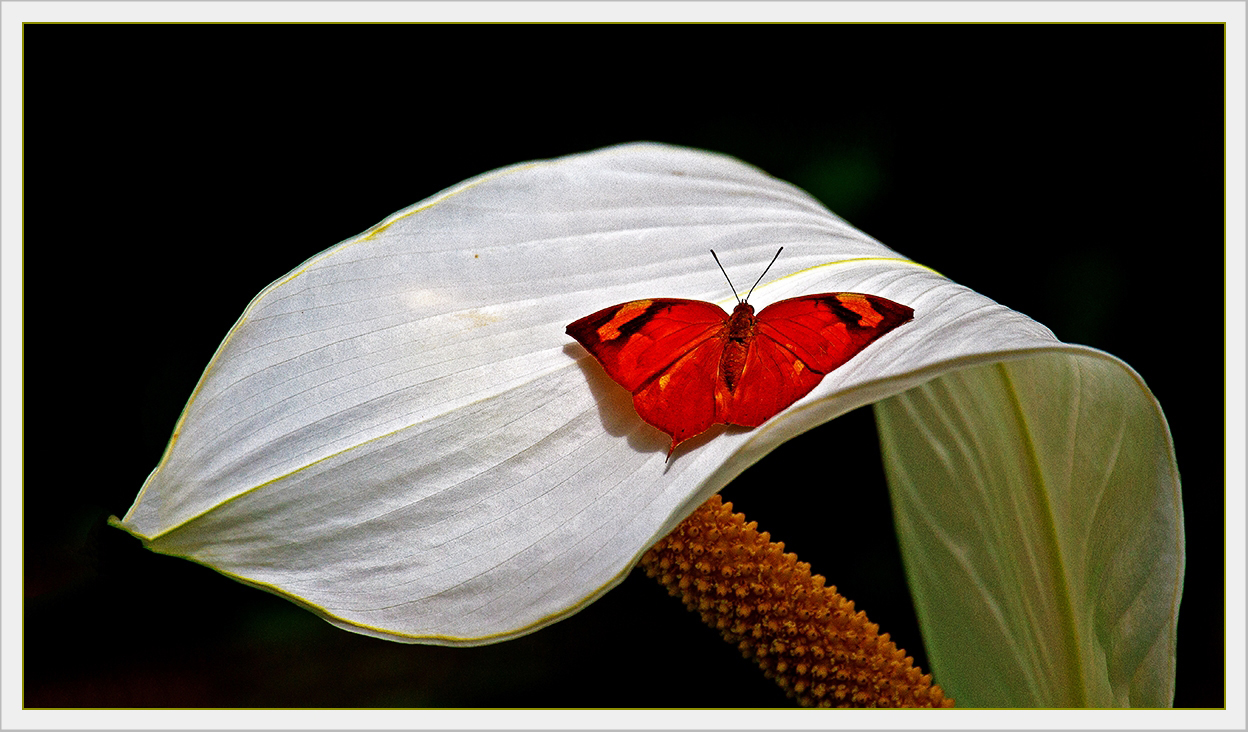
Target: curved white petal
399	435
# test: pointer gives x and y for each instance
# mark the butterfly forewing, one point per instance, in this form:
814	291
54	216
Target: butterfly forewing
826	330
636	341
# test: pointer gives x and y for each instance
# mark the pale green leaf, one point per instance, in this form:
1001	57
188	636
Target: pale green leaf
1040	519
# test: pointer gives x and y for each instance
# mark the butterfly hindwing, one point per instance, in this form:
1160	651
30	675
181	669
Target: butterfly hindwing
681	400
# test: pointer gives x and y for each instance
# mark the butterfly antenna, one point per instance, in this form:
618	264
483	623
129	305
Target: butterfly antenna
764	274
721	269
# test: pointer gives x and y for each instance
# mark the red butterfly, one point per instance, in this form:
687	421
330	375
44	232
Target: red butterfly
690	365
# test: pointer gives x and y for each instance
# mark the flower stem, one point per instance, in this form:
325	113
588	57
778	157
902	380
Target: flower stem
804	635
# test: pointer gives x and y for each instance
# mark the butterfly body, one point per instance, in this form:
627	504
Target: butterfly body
690	365
737	340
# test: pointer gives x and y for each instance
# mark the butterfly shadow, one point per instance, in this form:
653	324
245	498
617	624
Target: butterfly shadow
620	418
615	405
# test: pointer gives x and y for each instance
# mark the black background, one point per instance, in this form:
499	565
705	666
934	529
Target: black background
1071	172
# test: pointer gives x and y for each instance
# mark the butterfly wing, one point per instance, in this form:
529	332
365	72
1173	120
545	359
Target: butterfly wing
666	352
825	331
635	341
797	342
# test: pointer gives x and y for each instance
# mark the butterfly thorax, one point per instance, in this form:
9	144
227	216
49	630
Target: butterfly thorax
739	336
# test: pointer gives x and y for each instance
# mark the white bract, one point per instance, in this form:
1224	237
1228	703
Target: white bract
399	436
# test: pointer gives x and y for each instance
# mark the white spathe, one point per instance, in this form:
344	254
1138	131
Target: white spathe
400	436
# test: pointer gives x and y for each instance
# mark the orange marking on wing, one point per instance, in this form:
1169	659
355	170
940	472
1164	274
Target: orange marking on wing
610	330
867	315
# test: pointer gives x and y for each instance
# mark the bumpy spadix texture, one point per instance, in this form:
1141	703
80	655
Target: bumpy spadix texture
804	635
